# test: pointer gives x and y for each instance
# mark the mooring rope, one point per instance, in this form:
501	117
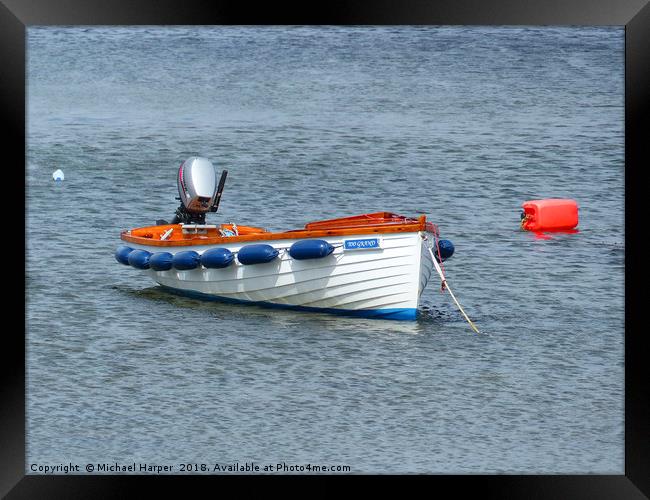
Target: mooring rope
446	285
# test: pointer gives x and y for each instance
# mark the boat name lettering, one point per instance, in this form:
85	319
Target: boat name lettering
364	244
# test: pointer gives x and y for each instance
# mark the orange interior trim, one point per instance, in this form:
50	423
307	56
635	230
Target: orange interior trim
380	222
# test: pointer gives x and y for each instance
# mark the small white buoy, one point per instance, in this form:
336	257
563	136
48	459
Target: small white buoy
58	175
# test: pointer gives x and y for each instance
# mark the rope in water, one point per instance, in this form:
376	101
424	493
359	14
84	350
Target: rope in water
445	285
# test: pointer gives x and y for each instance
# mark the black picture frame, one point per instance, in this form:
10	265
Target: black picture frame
17	15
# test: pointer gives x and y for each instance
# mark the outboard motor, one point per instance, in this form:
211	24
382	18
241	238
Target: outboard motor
199	193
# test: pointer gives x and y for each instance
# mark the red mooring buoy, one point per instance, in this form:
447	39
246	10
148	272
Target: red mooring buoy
552	214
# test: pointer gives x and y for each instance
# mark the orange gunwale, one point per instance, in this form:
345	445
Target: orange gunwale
379	222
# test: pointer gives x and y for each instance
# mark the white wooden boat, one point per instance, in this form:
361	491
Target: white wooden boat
371	265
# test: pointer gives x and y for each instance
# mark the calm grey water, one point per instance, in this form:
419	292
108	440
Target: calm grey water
463	123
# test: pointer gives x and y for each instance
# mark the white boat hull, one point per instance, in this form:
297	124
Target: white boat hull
381	282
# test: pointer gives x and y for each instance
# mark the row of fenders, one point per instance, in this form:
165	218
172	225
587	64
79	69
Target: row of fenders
218	258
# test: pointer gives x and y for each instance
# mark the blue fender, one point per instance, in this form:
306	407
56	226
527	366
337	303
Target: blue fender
310	249
139	259
186	260
256	254
446	250
217	258
161	261
122	254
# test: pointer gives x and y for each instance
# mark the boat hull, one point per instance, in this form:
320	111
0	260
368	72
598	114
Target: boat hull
384	282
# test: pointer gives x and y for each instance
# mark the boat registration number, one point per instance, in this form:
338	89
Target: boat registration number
364	244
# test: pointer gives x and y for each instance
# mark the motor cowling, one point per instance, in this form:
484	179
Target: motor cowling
197	185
